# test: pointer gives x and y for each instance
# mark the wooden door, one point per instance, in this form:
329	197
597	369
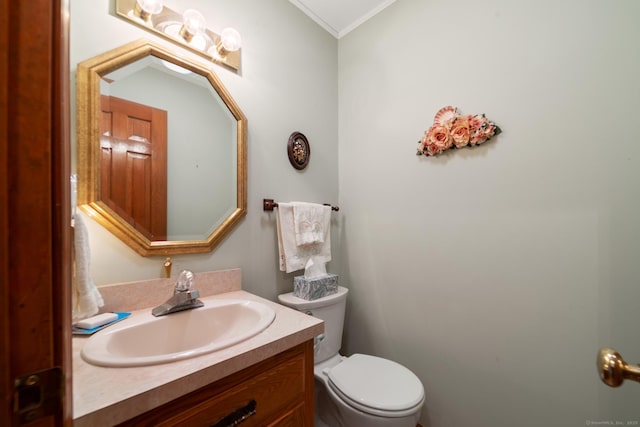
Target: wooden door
133	169
35	267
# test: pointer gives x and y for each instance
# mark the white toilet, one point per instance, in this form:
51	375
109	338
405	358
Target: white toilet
359	390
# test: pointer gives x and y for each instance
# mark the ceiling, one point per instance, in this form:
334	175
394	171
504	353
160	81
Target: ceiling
339	17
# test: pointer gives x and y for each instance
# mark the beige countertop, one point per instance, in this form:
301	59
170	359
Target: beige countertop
104	396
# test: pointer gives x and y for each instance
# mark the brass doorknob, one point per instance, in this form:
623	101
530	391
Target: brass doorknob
614	370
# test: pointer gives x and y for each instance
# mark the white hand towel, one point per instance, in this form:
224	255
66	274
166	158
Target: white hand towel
86	299
311	222
291	256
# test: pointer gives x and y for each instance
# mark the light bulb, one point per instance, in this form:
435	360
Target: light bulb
193	23
230	39
145	8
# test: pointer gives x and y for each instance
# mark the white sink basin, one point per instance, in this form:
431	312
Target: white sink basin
143	339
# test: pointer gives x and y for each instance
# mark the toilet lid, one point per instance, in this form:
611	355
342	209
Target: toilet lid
375	383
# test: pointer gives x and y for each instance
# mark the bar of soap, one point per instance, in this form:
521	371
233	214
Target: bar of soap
98	320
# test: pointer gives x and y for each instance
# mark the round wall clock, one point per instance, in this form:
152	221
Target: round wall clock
298	150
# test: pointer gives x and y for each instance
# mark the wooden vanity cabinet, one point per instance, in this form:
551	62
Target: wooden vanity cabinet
275	392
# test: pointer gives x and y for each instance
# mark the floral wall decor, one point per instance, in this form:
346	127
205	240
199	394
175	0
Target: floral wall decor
453	130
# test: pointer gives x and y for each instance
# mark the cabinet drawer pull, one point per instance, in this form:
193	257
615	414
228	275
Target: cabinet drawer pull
238	416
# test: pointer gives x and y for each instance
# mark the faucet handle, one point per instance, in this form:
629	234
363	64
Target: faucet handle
185	281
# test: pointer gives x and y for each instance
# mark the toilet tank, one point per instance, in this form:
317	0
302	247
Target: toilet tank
331	310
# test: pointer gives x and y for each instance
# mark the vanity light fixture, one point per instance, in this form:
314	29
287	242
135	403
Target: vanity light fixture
188	29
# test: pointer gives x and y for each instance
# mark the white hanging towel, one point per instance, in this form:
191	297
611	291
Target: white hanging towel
86	299
292	256
311	221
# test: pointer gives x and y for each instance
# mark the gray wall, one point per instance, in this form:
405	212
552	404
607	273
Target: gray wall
495	273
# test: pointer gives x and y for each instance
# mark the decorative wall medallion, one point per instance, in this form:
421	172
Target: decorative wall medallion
453	130
298	150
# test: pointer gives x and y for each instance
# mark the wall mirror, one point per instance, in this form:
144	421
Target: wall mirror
161	150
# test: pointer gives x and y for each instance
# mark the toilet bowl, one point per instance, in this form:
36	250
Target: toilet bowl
359	390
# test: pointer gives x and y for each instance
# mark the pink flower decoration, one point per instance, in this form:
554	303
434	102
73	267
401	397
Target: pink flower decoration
451	130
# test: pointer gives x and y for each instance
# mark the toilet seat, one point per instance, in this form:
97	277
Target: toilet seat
376	386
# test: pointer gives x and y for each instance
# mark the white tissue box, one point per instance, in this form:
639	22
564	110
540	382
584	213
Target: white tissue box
315	288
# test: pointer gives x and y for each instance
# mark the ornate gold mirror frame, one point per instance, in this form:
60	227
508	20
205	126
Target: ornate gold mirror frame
89	75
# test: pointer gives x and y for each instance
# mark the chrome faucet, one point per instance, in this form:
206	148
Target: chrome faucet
184	298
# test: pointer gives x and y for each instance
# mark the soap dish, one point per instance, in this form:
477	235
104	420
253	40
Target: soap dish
79	331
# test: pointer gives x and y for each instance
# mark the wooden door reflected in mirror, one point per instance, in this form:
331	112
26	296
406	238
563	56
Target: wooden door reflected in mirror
133	164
